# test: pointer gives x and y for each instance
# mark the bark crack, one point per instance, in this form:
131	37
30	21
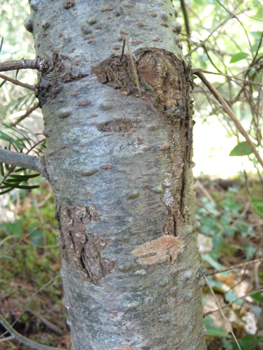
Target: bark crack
80	249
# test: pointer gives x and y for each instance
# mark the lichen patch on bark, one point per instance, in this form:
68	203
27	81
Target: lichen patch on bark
78	247
164	249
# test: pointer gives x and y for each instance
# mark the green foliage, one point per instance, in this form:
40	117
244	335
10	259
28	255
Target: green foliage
34	251
214	331
4	254
241	149
223	225
257	205
11	177
248	342
238	57
17	104
257	296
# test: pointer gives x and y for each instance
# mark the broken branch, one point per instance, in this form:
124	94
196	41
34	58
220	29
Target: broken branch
19	64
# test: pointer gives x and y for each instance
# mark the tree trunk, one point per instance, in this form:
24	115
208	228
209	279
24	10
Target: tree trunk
118	120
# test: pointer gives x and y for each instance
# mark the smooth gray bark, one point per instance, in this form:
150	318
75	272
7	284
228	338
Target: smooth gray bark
119	130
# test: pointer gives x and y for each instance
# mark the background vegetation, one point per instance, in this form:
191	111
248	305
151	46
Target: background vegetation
222	38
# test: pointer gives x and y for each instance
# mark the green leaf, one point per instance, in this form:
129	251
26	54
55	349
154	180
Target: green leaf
227	344
257	296
17	73
36	237
23	177
3	82
256	34
257	205
15	228
246	342
2	169
238	57
214	331
250	251
241	149
6	191
26	187
212	262
230	296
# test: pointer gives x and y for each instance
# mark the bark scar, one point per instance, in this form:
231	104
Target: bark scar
80	249
161	250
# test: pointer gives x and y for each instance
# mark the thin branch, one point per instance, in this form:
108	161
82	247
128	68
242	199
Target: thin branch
214	272
210	59
123	48
196	70
28	234
204	41
7	174
6	339
32	298
137	83
29	111
23	339
16	82
230	13
22	160
11	170
233	302
19	64
219	307
229	111
47	323
186	22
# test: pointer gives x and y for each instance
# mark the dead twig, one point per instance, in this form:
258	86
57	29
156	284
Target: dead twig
29	111
194	70
229	111
233	302
16	82
23	339
213	31
47	323
222	313
214	272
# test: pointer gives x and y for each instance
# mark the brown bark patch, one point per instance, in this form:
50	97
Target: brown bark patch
159	73
107	167
118	125
127	347
81	250
161	250
83	103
